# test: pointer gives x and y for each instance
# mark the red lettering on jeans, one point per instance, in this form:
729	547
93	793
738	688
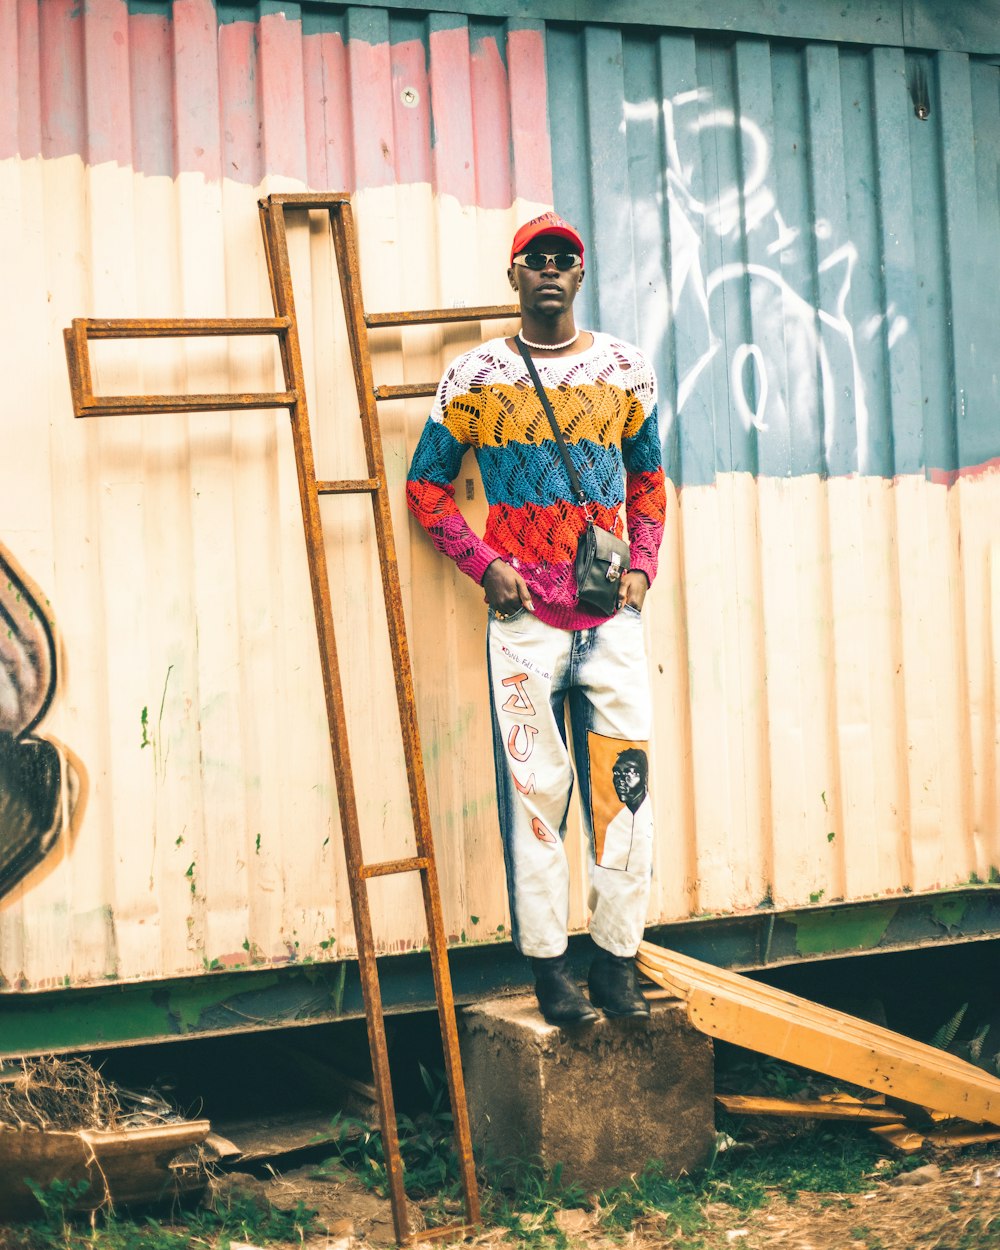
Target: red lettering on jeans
518	701
540	832
530	733
529	785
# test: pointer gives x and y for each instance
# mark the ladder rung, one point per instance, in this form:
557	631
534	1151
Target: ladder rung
307	199
179	327
390	866
406	390
429	316
115	405
359	486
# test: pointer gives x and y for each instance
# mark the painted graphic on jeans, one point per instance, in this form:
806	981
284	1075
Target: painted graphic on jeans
620	806
521	743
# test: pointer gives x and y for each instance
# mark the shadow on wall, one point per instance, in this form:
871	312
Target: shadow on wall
42	785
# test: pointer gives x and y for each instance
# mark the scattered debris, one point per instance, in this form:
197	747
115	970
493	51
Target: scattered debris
574	1221
51	1093
61	1121
919	1176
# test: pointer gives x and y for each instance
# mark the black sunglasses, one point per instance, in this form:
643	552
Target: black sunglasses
563	261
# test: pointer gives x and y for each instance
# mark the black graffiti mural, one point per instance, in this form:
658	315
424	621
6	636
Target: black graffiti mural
30	766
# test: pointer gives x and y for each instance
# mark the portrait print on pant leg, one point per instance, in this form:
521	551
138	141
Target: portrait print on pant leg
620	806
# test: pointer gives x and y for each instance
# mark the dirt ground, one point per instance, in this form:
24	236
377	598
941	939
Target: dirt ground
953	1204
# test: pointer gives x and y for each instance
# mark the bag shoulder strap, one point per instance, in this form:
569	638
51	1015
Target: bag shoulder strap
574	478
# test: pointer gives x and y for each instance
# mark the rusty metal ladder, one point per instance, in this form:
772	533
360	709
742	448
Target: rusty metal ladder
284	327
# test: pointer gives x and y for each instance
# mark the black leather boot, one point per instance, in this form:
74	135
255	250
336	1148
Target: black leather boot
614	986
560	999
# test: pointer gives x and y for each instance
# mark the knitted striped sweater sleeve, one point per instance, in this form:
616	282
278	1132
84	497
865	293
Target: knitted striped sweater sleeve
436	462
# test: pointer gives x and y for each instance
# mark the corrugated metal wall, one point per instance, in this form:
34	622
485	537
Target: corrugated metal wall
806	237
814	271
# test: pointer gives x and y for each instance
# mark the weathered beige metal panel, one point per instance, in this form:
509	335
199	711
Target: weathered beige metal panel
824	649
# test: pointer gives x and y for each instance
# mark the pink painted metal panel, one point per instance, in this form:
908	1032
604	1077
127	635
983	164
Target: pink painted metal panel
348	109
327	120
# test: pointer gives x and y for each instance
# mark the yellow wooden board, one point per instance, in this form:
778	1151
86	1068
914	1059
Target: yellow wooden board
813	1109
901	1136
735	1009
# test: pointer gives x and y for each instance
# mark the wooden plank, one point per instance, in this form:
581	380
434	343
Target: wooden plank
812	1109
902	1138
962	1135
759	1017
685	975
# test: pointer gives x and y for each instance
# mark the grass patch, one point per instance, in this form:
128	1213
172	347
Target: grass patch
237	1218
525	1198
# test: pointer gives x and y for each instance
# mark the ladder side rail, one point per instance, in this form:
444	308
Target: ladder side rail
287	369
345	246
279	270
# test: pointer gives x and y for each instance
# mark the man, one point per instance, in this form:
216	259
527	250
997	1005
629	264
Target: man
628	838
542	646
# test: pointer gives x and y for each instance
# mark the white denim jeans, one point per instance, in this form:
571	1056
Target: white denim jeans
533	669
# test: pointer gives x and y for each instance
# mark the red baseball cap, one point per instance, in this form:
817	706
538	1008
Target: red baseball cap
548	223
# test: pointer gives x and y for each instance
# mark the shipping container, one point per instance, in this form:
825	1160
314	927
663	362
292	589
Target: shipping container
795	215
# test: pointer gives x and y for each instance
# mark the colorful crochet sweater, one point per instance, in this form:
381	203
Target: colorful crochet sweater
604	400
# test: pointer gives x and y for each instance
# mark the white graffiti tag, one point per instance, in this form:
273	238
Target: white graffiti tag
796	363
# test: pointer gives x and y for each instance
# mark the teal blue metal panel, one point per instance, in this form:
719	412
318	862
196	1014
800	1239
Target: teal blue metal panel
693	438
829	289
932	312
949	24
902	391
981	439
809	257
958	188
769	440
613	269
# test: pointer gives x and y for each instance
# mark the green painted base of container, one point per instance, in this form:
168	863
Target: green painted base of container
216	1003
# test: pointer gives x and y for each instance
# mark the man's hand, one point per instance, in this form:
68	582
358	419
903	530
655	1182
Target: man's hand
632	589
506	590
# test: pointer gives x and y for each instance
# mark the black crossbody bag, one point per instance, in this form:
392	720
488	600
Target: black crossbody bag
601	558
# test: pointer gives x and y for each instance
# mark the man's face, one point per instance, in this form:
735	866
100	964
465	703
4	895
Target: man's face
629	782
547	291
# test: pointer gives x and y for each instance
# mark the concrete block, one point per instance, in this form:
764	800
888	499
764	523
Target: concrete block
602	1100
